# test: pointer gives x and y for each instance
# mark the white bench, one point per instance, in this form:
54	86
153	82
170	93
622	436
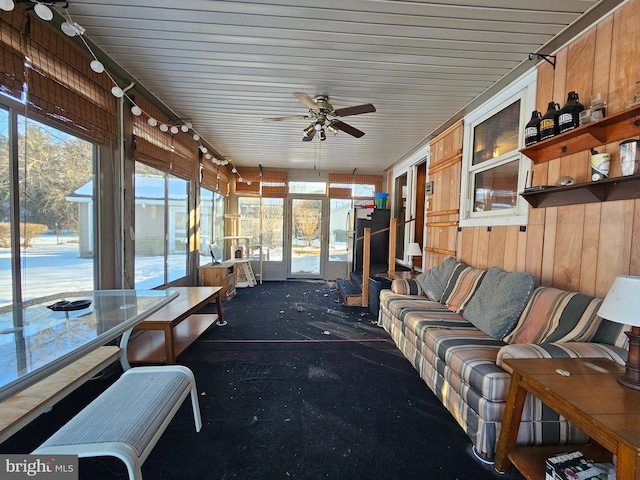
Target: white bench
128	418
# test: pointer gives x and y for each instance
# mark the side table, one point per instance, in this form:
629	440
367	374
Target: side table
590	397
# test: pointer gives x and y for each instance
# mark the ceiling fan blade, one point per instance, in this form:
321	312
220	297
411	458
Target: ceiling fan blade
347	128
355	110
309	137
306	100
292	117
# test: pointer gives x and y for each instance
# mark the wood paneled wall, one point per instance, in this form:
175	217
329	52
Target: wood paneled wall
442	213
576	247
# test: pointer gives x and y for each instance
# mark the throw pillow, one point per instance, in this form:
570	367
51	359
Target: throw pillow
406	286
499	301
554	315
461	286
434	280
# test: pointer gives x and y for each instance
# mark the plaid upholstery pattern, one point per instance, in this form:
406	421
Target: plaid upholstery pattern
561	350
478	416
463	283
462	365
406	286
554	315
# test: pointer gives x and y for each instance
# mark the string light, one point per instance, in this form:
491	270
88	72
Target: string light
73	29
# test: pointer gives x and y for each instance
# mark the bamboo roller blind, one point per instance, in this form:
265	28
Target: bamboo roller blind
60	83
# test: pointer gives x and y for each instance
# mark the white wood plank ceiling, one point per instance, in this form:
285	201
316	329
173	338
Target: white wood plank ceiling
228	64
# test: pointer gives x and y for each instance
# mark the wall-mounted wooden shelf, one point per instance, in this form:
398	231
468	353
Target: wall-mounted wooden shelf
619	126
618	188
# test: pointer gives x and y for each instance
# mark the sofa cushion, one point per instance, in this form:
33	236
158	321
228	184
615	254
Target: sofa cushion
395	303
612	333
434	280
554	315
499	301
406	286
471	356
462	284
561	350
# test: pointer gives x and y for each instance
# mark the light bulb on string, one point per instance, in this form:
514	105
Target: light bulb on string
174	129
203	149
234	170
152	121
164	127
43	11
136	110
97	66
71	29
117	92
184	128
7	5
196	137
248	182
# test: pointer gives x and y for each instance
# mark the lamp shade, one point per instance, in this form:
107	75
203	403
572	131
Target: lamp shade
414	250
622	303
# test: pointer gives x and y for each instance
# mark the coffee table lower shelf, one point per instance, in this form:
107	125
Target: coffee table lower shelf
531	461
149	346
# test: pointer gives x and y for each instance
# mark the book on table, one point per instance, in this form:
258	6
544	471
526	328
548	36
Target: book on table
575	466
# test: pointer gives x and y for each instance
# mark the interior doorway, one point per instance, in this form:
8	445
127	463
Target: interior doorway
400	212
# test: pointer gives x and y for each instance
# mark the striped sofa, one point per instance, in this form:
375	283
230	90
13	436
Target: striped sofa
456	324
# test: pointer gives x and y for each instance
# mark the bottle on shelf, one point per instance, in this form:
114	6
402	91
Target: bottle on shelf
549	121
532	129
569	115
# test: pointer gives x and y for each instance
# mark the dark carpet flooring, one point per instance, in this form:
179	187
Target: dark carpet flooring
295	386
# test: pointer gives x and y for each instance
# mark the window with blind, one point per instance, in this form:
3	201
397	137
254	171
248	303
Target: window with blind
268	184
361	188
60	84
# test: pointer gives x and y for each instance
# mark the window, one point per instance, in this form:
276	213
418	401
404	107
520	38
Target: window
494	171
212	207
161	227
272	236
310	188
339	211
55	194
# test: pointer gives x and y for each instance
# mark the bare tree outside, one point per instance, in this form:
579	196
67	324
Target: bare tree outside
307	220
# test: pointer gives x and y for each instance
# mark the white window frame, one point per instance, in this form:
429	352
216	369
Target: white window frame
524	90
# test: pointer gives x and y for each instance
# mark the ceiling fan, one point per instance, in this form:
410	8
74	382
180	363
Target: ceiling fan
325	116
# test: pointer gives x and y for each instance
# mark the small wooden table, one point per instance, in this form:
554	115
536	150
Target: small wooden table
174	327
590	398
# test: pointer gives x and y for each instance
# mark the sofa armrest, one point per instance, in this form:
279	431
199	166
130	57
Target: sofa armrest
561	350
406	286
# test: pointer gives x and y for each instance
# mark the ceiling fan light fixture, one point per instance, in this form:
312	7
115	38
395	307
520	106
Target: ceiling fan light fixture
318	126
333	130
308	131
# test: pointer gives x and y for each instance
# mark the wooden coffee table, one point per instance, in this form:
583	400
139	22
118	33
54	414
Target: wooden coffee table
590	398
171	329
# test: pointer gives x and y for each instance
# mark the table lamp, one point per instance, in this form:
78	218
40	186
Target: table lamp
413	250
622	305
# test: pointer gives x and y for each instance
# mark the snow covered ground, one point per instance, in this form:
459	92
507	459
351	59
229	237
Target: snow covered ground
53	265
